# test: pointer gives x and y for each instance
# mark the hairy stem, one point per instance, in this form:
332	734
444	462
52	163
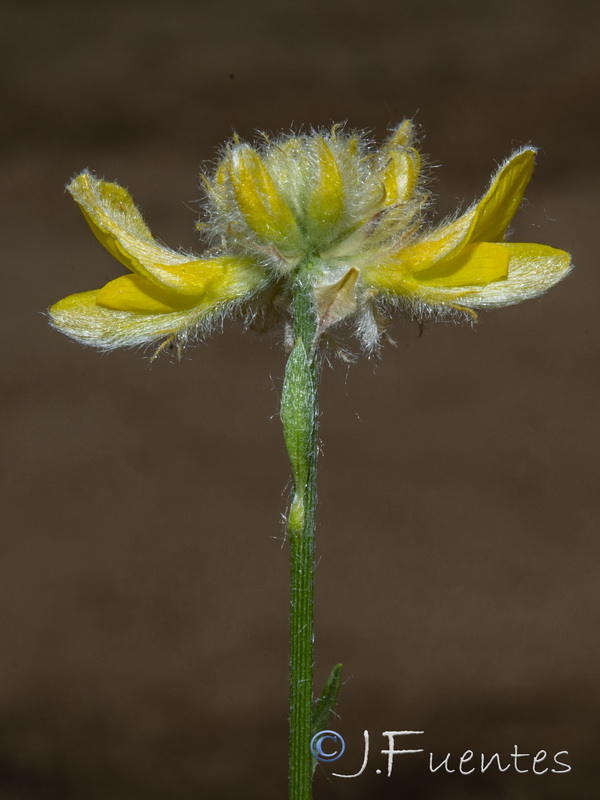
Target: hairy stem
299	412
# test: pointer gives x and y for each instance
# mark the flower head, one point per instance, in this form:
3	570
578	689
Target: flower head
324	209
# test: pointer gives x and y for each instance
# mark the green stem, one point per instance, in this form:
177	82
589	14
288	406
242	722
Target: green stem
299	412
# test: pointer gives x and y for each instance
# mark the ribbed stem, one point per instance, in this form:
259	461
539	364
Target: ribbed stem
299	413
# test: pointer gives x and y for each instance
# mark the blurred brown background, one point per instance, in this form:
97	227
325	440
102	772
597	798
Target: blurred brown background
143	572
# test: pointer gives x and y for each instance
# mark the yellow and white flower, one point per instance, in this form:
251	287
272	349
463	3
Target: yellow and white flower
324	209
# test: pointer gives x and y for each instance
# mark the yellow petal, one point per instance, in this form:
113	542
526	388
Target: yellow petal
400	176
532	269
118	225
443	242
487	220
494	212
475	265
208	283
136	294
225	276
402	136
390	276
326	204
80	317
132	310
402	164
258	198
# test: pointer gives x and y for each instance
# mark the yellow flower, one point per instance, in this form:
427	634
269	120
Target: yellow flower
322	208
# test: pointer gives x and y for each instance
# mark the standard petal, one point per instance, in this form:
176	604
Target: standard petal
494	212
486	221
118	225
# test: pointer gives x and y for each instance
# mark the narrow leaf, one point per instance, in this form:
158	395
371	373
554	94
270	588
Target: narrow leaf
324	705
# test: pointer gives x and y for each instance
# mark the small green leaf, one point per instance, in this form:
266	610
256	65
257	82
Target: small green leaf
324	705
297	415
